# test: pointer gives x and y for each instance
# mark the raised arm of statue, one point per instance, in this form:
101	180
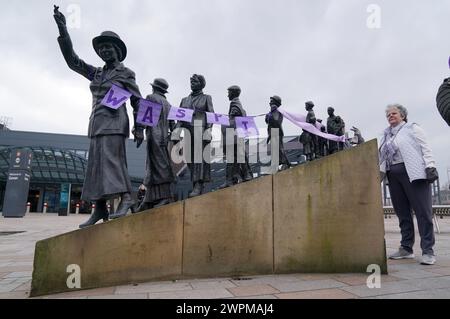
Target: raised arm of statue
60	20
65	44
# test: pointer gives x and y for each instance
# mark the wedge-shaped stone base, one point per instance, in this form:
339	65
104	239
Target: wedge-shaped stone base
324	216
328	214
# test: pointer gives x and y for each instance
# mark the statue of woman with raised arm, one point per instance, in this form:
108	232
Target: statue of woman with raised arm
106	174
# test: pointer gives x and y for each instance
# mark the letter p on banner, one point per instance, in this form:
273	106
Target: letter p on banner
74	279
374	280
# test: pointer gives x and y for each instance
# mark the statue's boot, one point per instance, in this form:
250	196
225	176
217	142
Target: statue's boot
126	203
144	206
228	177
101	212
162	202
198	188
247	173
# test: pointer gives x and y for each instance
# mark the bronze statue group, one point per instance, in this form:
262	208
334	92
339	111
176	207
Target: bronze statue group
107	176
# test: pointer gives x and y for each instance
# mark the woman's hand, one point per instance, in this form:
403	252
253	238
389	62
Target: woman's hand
432	174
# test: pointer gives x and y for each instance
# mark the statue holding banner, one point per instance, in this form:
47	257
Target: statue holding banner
199	133
236	171
335	126
275	121
159	175
309	140
106	173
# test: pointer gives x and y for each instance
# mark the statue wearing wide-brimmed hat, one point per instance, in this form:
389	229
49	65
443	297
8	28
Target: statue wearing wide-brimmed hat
106	174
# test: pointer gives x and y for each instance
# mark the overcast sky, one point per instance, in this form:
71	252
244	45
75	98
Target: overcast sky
327	51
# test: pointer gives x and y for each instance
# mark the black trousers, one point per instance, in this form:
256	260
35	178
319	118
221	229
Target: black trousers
407	196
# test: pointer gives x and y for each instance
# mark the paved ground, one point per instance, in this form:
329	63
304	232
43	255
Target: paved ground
406	279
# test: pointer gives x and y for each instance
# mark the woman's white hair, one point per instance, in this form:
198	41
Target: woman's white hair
403	111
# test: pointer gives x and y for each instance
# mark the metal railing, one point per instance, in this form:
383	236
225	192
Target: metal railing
438	210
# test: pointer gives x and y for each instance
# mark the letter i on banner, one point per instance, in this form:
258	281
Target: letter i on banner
149	113
115	97
246	127
180	114
213	118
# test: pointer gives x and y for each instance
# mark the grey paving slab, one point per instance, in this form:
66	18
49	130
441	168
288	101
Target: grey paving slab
414	274
124	296
219	293
257	290
430	283
148	288
212	284
257	297
386	289
308	285
318	294
422	294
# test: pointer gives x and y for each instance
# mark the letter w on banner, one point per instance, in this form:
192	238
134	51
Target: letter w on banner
246	127
213	118
180	114
115	97
149	112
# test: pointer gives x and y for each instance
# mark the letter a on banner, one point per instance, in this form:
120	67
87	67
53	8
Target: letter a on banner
213	118
115	97
180	114
246	127
149	113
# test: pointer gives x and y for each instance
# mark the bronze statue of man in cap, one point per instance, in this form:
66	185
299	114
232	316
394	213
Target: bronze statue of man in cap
235	172
274	120
200	102
106	174
159	175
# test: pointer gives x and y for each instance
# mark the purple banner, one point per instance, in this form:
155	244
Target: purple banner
296	119
246	127
149	113
115	97
213	118
180	114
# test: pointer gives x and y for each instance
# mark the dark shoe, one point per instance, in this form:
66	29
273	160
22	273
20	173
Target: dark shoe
162	203
196	191
99	213
248	178
123	208
144	206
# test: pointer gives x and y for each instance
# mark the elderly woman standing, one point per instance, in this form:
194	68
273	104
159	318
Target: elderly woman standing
106	172
407	161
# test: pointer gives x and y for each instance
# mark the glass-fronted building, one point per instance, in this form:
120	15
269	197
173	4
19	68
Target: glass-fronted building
59	162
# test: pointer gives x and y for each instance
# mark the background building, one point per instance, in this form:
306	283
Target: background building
59	162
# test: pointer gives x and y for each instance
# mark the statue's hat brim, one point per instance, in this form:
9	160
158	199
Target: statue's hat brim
161	84
109	36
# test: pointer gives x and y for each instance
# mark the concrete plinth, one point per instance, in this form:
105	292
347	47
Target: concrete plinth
324	216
